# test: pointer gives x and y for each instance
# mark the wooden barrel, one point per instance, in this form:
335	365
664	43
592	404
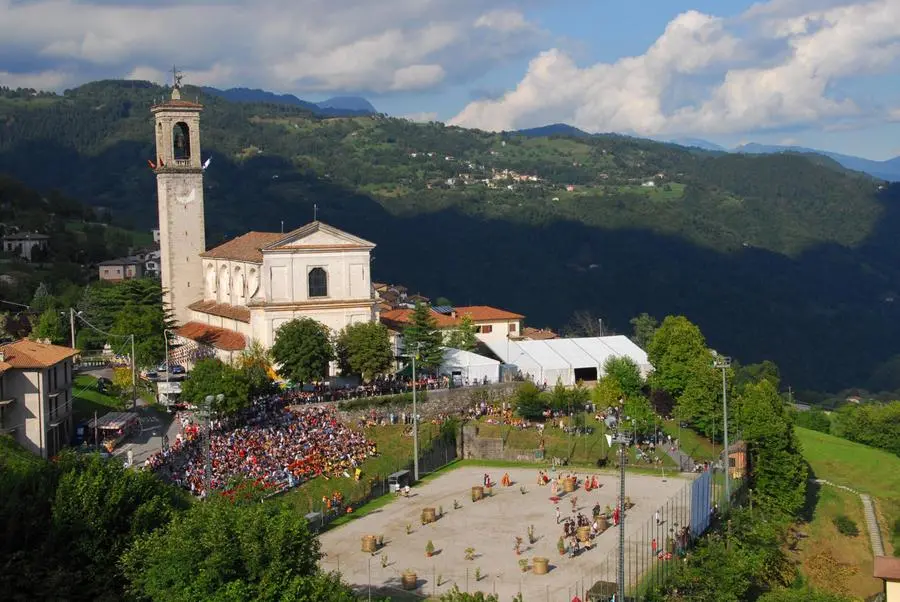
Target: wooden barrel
428	515
409	581
584	534
540	565
477	493
369	543
569	484
602	524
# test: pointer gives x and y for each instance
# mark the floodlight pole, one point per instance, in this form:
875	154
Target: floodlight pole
622	440
415	418
724	363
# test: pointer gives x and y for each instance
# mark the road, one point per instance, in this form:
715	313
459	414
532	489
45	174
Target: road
154	425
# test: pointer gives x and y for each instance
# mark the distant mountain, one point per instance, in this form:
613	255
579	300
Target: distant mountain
348	103
555	129
699	143
886	170
338	106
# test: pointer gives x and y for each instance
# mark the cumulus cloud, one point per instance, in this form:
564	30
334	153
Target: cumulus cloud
306	45
780	64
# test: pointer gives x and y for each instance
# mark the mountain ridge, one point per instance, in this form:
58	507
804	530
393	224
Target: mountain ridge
337	106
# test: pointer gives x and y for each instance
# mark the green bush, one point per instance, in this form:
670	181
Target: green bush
846	525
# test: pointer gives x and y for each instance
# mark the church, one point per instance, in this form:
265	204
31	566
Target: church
244	289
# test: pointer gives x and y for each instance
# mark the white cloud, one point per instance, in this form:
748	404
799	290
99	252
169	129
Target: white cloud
305	45
43	80
779	64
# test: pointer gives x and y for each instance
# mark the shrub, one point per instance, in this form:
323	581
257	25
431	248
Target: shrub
845	525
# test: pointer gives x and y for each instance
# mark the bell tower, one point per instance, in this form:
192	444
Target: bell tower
179	189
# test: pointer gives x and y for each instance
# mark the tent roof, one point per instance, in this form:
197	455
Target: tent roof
575	355
544	354
460	357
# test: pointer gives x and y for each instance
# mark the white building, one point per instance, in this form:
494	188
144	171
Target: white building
24	243
246	288
36	395
568	360
465	367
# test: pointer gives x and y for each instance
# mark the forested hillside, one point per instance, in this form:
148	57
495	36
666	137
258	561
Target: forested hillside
774	256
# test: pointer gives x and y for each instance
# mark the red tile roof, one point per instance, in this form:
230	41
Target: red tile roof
887	568
245	247
28	354
398	319
220	338
538	334
484	313
223	310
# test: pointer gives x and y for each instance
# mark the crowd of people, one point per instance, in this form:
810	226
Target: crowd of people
275	442
380	386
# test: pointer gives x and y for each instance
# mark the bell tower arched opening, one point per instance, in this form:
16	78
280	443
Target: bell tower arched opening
181	142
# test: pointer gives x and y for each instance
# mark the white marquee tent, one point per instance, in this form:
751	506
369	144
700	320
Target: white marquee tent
568	360
468	366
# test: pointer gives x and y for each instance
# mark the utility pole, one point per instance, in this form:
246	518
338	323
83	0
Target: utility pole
724	363
72	325
415	418
133	376
207	468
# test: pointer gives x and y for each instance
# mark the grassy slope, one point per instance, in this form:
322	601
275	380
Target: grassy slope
830	559
696	446
87	399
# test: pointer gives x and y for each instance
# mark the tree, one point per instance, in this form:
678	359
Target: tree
801	595
365	349
147	323
463	336
584	324
626	372
455	595
231	550
42	300
255	362
303	349
700	403
213	377
638	409
816	420
530	402
778	470
644	327
423	338
51	326
607	393
676	350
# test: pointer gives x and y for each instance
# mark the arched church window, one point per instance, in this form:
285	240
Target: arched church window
318	282
181	141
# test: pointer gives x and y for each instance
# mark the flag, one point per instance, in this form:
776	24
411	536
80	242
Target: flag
609	440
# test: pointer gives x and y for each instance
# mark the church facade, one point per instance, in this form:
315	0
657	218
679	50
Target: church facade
246	288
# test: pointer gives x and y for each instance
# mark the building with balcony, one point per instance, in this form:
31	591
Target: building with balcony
36	395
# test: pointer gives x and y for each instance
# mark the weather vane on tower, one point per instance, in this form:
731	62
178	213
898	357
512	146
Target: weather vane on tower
177	76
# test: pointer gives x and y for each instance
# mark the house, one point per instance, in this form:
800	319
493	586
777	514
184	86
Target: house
124	268
887	569
155	232
538	334
36	395
737	460
492	323
648	184
23	244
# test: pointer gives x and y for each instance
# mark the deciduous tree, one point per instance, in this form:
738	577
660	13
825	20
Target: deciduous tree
51	326
626	372
213	377
676	350
303	349
644	327
365	349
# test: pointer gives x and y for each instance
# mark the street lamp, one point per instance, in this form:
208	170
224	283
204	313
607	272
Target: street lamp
207	471
622	440
723	362
415	418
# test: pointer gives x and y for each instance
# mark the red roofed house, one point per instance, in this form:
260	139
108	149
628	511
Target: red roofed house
36	395
887	568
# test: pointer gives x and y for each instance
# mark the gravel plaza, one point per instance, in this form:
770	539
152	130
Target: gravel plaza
490	526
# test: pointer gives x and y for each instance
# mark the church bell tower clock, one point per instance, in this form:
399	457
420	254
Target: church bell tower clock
179	186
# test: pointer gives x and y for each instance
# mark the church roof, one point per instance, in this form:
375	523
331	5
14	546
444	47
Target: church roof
223	310
246	247
319	236
316	236
220	338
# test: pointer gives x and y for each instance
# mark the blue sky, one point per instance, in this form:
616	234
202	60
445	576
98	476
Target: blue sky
819	73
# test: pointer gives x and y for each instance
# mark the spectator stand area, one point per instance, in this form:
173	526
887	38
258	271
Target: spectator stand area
567	360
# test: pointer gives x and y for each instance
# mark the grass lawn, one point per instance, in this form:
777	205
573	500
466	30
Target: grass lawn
86	399
862	468
830	560
693	444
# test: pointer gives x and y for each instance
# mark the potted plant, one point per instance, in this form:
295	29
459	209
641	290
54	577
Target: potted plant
381	540
384	561
518	546
440	511
470	553
409	579
523	564
522	490
561	546
531	538
429	549
408	528
477	573
456	505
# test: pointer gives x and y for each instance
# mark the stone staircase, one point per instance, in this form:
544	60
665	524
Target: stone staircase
872	524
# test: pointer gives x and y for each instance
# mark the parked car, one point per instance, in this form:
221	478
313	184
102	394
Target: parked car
177	369
162	367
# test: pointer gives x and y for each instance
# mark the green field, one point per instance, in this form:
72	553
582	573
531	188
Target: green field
831	560
86	399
